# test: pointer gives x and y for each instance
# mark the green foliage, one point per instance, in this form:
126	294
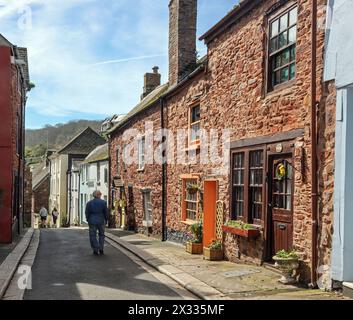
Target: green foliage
287	254
31	86
35	154
60	134
240	225
215	245
197	230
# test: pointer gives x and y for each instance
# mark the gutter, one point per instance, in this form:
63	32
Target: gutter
314	162
164	183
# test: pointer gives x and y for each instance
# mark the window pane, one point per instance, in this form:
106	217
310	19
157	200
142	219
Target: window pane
195	132
273	44
283	39
284	75
285	57
283	22
292	71
292	35
274	28
293	53
195	114
277	60
256	184
293	16
277	78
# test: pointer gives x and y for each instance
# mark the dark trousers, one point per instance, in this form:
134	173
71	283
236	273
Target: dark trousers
97	244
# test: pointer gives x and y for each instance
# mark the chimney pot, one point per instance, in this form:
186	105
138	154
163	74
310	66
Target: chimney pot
151	82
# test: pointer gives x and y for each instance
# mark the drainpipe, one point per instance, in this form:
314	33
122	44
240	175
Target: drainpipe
164	181
314	181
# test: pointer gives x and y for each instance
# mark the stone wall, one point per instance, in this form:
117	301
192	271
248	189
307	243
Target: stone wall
41	195
149	178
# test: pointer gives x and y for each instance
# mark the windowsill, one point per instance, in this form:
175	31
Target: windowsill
141	170
192	147
188	222
279	88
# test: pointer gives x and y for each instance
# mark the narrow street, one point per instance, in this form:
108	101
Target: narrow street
65	269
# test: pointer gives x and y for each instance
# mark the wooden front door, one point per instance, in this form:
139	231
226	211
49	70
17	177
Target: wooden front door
281	203
209	214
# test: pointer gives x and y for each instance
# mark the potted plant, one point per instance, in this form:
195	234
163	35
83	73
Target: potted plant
192	188
241	229
287	262
195	245
214	251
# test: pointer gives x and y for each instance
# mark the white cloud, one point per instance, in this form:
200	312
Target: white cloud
64	40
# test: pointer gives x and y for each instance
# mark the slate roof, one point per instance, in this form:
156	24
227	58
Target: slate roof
83	143
100	153
148	101
39	174
20	54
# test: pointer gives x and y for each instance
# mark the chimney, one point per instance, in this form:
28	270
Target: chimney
182	39
152	81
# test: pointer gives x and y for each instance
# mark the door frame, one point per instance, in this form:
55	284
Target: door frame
271	154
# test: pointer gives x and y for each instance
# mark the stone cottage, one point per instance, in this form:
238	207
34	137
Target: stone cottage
262	81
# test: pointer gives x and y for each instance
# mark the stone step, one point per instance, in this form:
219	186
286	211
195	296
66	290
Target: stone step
348	289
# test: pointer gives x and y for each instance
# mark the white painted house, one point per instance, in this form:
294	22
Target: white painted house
339	67
94	175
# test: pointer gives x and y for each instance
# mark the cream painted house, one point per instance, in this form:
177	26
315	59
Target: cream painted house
62	169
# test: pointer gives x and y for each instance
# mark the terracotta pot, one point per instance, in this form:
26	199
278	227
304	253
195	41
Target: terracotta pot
192	190
287	266
194	248
212	254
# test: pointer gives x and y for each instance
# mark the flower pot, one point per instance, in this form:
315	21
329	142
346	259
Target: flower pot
194	248
212	254
252	233
287	267
192	190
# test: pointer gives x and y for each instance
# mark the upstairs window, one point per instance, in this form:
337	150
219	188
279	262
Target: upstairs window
195	120
141	154
118	160
282	48
98	172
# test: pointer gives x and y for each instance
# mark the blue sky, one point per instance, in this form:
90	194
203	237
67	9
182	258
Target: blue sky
87	58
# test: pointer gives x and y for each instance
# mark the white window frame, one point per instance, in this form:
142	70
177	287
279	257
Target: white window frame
147	208
141	153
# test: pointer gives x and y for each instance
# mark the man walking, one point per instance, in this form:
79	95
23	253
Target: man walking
97	217
43	213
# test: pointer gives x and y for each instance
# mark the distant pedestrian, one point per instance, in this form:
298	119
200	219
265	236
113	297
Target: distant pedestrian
97	218
55	214
43	213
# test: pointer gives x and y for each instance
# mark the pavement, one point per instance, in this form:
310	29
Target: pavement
10	264
66	269
214	280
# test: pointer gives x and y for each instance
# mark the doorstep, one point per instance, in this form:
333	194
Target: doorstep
348	289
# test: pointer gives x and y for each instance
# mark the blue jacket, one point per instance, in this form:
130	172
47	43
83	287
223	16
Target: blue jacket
97	212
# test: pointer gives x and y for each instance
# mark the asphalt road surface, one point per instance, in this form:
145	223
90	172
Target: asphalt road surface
66	269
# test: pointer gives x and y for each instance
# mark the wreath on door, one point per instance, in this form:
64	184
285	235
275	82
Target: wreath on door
281	171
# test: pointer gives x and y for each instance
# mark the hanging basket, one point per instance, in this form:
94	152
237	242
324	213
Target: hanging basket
281	171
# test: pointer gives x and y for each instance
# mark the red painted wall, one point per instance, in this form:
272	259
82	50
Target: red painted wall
6	182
